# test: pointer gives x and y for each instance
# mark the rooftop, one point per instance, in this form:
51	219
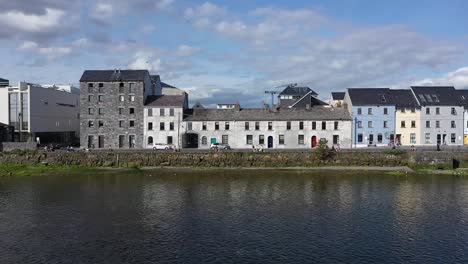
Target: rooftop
296	90
370	96
338	95
264	114
113	75
436	95
166	100
404	98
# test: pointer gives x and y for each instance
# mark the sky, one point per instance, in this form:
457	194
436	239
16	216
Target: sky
233	51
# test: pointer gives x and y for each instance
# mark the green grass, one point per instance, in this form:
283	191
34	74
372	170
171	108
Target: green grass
38	169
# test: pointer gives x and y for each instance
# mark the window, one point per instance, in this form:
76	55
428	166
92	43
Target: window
90	123
369	124
121	123
270	125
413	110
403	124
121	88
101	98
324	125
131	88
301	125
90	141
385	111
359	138
335	125
281	139
90	111
121	141
169	140
249	139
413	138
171	126
336	139
257	125
226	125
90	98
171	111
101	142
161	112
162	126
359	111
216	125
90	88
369	111
100	123
428	124
403	110
413	124
204	126
150	140
224	139
131	98
101	111
131	123
131	141
246	125
121	111
379	138
452	124
453	111
314	125
359	124
300	139
437	124
437	111
150	126
428	111
121	98
261	139
150	112
189	126
131	110
453	138
427	138
204	141
288	125
385	124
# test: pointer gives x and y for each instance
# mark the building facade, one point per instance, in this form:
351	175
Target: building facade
46	113
112	108
407	118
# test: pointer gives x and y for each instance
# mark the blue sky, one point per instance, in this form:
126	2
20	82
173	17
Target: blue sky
227	51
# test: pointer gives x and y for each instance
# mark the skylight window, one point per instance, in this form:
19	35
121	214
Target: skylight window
421	96
429	98
382	98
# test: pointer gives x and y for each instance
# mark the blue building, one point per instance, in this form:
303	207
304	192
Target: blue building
373	113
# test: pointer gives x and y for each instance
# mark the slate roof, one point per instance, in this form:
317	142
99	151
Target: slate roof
165	85
264	114
165	100
370	96
295	90
338	95
404	98
3	80
113	75
436	95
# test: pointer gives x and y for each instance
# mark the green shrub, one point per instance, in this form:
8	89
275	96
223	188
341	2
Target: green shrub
395	152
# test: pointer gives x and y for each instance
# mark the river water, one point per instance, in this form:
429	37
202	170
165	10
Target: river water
234	217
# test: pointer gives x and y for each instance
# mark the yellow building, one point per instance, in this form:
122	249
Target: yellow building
407	119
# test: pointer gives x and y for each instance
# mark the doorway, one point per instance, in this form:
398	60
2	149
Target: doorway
371	139
213	140
270	142
314	141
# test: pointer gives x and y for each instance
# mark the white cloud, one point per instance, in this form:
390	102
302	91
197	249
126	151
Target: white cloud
29	45
457	78
102	12
187	51
32	22
145	61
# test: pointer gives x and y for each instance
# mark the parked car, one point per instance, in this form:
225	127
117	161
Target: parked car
218	146
162	146
224	146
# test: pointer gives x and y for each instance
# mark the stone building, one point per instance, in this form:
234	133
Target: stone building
112	107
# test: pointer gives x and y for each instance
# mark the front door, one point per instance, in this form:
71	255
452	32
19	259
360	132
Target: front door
444	139
270	142
314	141
371	139
398	139
439	139
213	140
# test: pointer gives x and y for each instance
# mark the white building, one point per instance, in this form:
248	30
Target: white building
49	113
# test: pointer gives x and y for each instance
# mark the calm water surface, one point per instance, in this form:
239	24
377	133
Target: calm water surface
234	217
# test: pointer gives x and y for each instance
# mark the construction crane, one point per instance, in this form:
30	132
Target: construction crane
272	93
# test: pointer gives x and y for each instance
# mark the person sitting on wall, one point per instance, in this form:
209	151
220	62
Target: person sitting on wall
413	148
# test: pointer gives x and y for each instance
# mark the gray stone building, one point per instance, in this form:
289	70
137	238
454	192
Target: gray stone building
112	107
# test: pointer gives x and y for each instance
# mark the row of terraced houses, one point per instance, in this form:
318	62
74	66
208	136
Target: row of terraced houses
133	109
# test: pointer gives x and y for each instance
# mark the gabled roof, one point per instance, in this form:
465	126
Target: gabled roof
263	114
295	90
436	95
309	100
165	100
370	96
113	75
338	95
404	98
3	80
165	85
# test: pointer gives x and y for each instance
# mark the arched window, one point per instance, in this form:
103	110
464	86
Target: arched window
150	140
204	141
